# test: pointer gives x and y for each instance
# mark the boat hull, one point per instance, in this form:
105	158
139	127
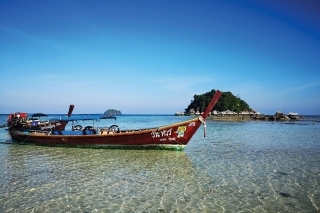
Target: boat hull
174	137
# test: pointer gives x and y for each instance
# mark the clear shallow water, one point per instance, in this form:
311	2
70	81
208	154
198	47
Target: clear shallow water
238	167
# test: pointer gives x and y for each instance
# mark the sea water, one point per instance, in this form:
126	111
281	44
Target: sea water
238	167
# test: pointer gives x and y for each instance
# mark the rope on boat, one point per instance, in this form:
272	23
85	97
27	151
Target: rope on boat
25	139
204	125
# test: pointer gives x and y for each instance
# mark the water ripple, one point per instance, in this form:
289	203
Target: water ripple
238	167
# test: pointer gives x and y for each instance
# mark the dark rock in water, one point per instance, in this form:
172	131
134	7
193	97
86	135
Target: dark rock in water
282	173
279	116
284	194
3	125
266	118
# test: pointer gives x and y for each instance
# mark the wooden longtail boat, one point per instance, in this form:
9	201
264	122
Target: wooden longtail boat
21	121
175	136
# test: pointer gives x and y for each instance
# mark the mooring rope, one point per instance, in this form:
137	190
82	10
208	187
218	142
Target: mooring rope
24	139
204	125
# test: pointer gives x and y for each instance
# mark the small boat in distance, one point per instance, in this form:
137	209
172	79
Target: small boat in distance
38	121
174	136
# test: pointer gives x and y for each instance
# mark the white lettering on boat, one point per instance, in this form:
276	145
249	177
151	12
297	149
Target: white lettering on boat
155	134
166	133
50	126
161	133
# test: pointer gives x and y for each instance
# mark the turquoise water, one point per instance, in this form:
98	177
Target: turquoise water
238	167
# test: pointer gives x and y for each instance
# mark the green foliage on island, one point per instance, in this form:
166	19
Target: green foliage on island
226	102
112	112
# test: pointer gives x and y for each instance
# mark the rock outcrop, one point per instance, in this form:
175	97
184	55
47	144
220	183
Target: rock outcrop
233	116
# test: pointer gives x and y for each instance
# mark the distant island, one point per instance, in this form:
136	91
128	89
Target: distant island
227	102
112	112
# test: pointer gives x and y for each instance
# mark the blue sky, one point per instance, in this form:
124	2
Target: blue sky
153	56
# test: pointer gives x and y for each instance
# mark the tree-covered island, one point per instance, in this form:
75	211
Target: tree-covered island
227	102
230	107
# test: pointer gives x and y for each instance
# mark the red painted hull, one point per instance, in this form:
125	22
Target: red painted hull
174	136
